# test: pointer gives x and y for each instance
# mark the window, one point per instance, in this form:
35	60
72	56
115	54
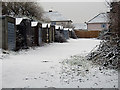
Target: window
103	25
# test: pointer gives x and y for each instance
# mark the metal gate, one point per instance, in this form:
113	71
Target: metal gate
11	36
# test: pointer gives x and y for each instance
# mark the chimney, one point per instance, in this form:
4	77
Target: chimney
50	10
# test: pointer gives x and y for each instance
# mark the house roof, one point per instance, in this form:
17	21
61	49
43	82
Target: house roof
100	18
79	26
55	16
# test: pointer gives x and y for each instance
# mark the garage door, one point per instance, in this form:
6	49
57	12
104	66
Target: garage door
11	36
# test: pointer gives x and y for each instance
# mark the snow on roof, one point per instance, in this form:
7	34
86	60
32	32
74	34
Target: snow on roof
49	25
58	26
33	24
66	28
44	25
70	29
100	18
18	20
78	26
55	16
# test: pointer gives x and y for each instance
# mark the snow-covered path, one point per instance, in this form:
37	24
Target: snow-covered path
42	67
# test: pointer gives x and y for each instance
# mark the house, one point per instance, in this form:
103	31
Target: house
98	23
8	38
57	19
93	27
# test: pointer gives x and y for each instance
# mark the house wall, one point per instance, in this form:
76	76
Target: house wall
65	24
99	27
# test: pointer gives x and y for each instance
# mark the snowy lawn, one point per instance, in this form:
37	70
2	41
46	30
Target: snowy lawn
59	65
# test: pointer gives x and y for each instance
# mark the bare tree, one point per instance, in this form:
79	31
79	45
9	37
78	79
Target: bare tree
30	9
108	53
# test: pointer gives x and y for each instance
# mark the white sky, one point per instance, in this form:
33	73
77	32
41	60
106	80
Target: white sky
78	12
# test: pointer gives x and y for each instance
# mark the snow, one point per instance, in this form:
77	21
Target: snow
55	16
43	67
80	26
18	20
49	25
100	18
33	24
44	25
66	29
58	26
70	29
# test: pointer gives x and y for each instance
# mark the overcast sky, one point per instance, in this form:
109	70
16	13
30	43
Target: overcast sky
78	12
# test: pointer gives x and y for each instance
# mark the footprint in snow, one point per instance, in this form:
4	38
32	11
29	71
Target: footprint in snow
45	61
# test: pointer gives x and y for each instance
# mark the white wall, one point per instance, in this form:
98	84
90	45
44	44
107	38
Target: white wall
96	27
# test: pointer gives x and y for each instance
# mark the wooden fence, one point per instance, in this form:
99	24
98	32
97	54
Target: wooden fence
87	34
